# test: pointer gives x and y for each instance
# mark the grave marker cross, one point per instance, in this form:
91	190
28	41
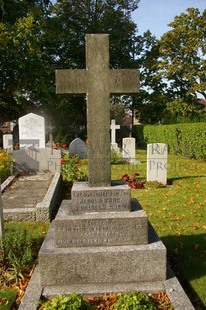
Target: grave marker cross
113	128
98	81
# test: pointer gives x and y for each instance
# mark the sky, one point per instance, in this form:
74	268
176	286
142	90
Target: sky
156	14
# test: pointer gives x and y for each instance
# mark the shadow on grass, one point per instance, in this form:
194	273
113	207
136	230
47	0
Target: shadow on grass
171	180
187	257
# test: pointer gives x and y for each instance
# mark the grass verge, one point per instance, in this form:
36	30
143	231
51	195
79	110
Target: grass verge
178	214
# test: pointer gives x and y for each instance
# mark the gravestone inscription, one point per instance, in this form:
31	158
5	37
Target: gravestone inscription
98	81
32	131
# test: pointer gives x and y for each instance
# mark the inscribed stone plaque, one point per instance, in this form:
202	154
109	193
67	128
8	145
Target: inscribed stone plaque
8	142
31	131
78	147
128	149
157	162
124	228
100	199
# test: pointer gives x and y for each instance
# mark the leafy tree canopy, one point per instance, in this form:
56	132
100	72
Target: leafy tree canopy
182	52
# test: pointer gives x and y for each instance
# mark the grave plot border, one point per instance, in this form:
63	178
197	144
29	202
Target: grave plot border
42	211
171	286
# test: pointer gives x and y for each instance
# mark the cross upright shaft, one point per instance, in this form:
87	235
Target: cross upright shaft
98	82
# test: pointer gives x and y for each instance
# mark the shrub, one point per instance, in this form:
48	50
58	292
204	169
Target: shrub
6	165
134	301
71	302
15	255
183	139
7	298
71	169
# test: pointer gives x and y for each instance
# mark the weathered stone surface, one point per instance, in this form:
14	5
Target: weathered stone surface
98	81
31	299
41	200
100	199
91	229
100	237
103	264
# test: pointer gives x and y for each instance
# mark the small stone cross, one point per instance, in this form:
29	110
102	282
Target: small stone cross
98	81
113	128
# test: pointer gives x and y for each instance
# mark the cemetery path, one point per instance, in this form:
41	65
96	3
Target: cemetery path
26	190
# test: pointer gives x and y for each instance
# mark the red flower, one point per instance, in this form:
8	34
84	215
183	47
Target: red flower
64	146
125	178
62	160
78	164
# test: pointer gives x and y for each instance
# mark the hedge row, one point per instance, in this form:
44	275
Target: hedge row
185	139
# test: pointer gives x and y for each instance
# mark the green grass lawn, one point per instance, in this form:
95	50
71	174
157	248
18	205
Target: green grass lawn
178	213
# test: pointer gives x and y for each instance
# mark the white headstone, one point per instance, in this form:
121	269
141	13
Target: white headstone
157	162
129	149
8	142
114	127
78	147
31	131
1	214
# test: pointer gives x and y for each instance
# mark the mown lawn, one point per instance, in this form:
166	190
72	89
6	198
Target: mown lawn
178	213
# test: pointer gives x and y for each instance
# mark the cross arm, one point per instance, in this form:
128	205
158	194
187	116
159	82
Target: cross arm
71	81
124	81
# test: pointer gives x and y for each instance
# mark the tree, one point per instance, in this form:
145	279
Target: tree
21	61
182	55
65	42
150	103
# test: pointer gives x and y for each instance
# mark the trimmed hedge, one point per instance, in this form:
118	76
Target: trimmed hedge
188	140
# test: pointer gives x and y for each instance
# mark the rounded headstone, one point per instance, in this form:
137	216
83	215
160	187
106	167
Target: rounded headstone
78	147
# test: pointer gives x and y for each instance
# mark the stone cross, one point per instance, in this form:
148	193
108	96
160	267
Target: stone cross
98	81
113	128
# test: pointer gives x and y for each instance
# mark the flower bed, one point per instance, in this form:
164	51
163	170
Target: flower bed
6	165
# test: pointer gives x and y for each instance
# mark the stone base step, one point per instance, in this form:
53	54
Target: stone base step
102	265
101	289
99	229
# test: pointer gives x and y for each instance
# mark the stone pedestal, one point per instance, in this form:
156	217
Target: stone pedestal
100	238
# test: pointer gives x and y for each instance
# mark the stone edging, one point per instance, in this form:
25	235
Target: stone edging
42	211
171	286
